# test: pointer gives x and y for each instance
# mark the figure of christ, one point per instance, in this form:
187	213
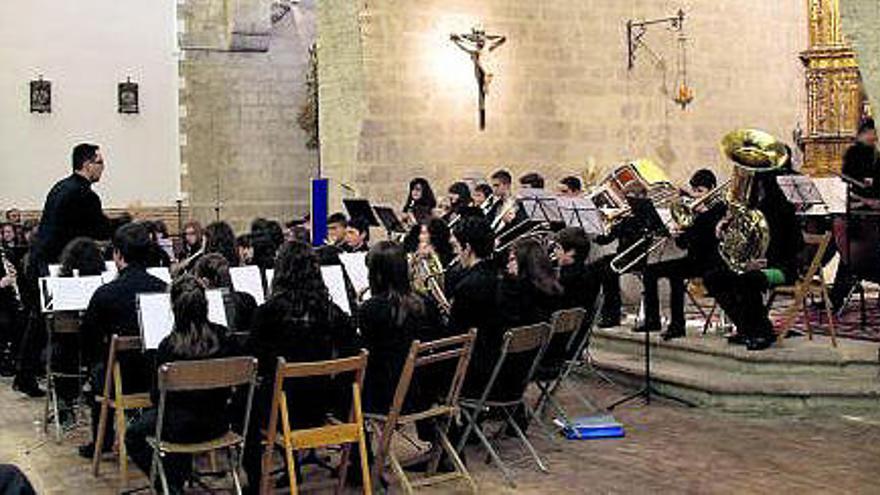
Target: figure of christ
475	44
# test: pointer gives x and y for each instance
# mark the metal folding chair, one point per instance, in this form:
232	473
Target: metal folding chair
426	356
59	324
184	376
334	433
527	342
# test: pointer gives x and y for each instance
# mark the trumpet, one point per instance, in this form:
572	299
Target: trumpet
684	214
507	207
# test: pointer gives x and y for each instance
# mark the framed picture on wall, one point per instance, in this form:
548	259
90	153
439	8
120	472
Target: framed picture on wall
128	97
41	96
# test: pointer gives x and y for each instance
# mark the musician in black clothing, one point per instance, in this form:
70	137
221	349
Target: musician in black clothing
702	254
300	323
861	162
113	310
357	236
190	417
336	225
580	285
11	317
474	299
212	270
72	209
741	295
420	201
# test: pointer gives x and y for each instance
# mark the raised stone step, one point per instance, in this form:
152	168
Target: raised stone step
795	356
798	376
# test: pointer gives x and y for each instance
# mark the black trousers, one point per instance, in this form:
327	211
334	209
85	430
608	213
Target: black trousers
610	281
741	298
31	347
676	271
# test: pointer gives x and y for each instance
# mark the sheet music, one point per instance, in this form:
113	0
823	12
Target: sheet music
800	191
156	318
335	283
54	270
270	275
582	212
67	293
216	307
247	279
160	272
356	267
833	192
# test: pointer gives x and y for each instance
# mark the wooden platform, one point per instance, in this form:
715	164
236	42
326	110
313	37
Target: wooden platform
796	376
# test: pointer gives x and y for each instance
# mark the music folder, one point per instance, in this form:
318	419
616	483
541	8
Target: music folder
361	208
389	219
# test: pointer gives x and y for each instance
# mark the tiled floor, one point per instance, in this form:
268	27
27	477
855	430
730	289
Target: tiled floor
668	449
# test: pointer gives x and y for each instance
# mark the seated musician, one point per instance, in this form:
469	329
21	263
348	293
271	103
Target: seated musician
300	323
861	163
113	310
430	237
190	417
459	198
220	238
483	198
212	270
420	201
502	191
245	249
741	295
81	257
336	225
530	291
570	187
580	286
474	300
702	254
357	236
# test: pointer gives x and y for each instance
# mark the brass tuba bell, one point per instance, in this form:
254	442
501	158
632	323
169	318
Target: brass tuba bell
746	235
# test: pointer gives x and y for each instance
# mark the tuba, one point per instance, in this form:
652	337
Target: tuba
684	213
745	236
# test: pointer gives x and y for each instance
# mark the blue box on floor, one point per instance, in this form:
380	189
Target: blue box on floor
591	427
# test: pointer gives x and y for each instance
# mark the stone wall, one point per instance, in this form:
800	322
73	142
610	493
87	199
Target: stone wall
399	100
242	86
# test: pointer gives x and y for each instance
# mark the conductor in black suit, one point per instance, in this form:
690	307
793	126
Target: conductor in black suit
72	208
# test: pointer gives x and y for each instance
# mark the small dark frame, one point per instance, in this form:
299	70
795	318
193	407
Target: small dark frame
129	101
41	96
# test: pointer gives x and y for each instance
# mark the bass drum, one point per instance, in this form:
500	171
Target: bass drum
858	240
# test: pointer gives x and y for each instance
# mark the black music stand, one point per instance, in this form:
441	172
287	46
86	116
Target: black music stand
583	213
361	208
645	217
800	191
389	220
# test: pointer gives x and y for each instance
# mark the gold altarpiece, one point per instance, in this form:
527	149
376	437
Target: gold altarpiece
835	100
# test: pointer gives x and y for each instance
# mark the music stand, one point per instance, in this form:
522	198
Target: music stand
583	213
800	191
360	208
389	220
645	217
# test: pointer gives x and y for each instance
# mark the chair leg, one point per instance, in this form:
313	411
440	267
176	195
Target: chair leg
456	460
101	434
469	428
162	477
400	473
120	446
53	394
807	323
708	321
827	301
266	469
525	441
234	466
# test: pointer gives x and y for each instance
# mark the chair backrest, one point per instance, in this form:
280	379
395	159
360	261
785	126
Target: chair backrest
518	342
578	346
356	365
206	374
567	321
821	242
112	374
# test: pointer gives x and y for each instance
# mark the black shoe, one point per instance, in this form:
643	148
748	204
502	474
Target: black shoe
736	339
760	342
29	388
647	327
609	322
87	451
673	332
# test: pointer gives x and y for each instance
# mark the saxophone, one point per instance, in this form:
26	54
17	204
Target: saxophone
426	273
745	236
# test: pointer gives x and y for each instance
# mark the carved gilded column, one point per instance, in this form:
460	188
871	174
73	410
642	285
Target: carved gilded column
835	100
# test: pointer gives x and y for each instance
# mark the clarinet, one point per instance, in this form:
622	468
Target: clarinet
10	270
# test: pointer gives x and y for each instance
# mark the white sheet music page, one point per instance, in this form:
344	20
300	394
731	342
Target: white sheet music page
335	283
247	279
216	308
156	318
67	293
270	275
160	272
356	267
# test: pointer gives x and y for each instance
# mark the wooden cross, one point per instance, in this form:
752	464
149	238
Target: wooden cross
475	44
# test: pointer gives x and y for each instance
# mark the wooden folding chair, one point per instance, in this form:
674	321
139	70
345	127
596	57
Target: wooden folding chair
811	283
203	375
421	356
335	433
114	398
563	353
57	324
521	341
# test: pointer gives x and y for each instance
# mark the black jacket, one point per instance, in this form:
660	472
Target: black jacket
700	239
280	330
71	210
113	310
389	344
200	415
861	162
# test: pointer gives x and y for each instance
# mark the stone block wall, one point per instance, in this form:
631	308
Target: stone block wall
399	100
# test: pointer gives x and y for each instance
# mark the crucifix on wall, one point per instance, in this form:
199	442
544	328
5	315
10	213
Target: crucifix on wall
476	44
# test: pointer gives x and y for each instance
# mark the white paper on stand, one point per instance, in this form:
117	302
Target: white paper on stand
156	318
216	307
67	293
356	267
270	275
335	283
160	272
54	270
247	279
